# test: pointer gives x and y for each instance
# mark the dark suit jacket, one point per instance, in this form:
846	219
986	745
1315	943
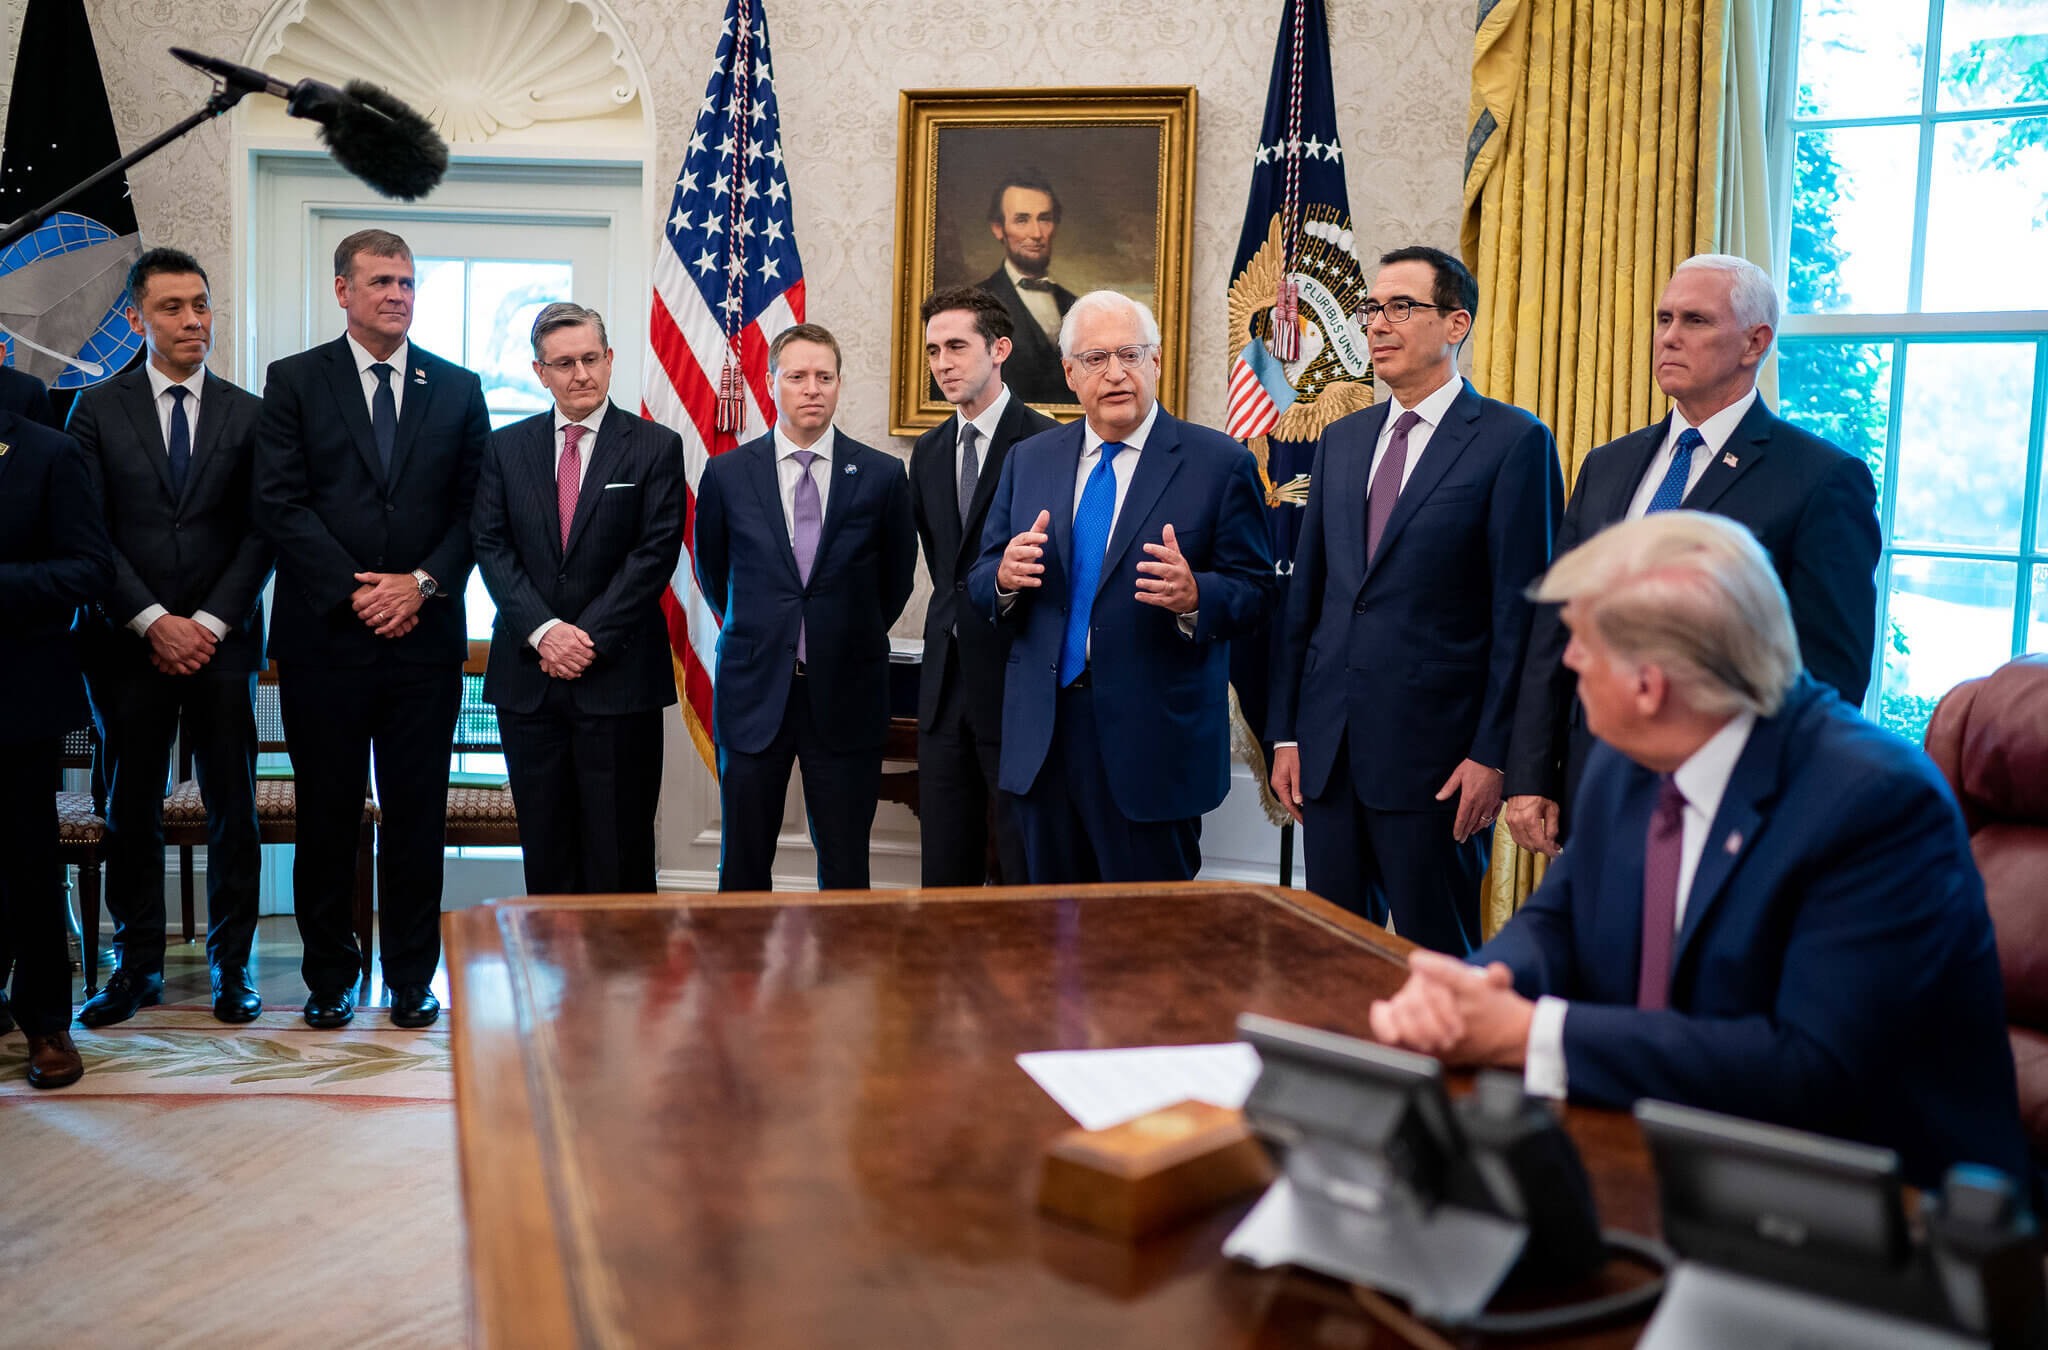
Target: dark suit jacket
1415	654
327	506
623	545
197	551
54	557
1835	968
1033	371
1813	507
866	565
1162	698
950	548
21	392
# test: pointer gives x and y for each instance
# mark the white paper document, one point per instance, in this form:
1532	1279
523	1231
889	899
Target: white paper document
1101	1088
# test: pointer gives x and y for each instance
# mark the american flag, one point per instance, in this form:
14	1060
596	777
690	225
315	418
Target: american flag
726	280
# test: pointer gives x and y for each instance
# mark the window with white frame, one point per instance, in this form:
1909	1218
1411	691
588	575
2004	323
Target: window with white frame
1912	151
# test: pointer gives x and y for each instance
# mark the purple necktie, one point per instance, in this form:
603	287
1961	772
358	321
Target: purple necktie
1386	483
810	520
1660	896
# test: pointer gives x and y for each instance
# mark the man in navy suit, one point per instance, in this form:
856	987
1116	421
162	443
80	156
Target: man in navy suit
179	638
366	468
54	557
1813	506
1428	516
1770	908
953	473
806	552
1116	712
578	525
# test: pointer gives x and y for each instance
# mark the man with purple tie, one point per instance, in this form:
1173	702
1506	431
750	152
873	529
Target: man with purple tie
1769	907
805	551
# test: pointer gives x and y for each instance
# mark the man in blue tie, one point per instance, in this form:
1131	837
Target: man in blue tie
1125	551
1812	505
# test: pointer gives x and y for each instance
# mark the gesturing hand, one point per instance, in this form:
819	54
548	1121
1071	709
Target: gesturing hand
1167	581
1020	566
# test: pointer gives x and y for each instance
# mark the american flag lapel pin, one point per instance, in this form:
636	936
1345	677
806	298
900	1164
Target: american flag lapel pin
1734	844
1729	460
419	375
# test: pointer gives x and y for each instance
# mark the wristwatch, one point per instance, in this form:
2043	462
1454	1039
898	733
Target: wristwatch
428	588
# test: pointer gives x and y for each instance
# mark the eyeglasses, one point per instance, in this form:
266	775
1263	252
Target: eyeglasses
568	364
1397	311
1097	361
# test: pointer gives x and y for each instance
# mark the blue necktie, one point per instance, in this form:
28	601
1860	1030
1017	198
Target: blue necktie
1091	541
383	416
181	441
1671	491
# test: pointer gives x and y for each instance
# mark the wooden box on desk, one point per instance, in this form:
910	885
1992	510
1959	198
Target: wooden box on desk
1150	1173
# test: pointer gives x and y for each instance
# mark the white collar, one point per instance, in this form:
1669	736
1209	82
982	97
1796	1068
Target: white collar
1090	442
1716	430
364	360
590	423
1703	778
1433	407
159	382
1010	269
986	423
822	447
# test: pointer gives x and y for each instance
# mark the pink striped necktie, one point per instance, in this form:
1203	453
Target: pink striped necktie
569	478
1661	860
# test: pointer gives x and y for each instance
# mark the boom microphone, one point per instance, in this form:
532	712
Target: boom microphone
369	131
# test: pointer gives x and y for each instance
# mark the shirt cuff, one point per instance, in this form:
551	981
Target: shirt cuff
533	638
210	624
1187	622
141	622
1006	600
1543	1071
1286	745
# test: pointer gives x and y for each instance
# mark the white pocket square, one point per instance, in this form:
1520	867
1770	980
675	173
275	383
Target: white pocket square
609	486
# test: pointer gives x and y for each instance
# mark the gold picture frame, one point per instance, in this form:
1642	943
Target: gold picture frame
1124	220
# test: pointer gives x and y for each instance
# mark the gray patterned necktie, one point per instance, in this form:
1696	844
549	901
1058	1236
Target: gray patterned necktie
970	467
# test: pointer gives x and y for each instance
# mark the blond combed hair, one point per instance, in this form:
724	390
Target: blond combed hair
1692	594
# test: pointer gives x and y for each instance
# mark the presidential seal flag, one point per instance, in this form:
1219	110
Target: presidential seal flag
1298	356
726	281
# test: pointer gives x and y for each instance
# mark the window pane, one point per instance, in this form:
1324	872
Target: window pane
504	298
1951	620
1988	200
477	608
437	307
2037	613
1993	52
1860	58
1841	392
1851	230
1963	443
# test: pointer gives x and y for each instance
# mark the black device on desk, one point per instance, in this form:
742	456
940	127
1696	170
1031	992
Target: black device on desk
1385	1183
1792	1239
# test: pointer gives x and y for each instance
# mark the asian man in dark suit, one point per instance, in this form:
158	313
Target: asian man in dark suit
953	473
1125	551
171	448
1393	686
578	525
1720	449
366	468
806	553
1770	907
1024	215
54	557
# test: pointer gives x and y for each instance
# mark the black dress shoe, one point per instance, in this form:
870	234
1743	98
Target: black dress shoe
233	998
330	1008
413	1005
126	993
6	1014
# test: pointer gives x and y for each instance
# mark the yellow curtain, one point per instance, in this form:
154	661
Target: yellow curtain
1593	167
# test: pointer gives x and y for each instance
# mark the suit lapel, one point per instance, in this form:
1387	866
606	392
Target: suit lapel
1067	464
969	546
1634	463
1746	445
941	485
213	410
1157	464
8	422
421	382
534	459
848	483
760	468
1347	474
347	385
605	454
140	410
1445	444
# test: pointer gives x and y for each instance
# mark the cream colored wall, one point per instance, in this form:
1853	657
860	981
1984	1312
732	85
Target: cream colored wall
1400	70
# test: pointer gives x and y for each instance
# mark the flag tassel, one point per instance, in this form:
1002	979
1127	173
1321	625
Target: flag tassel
1287	320
731	404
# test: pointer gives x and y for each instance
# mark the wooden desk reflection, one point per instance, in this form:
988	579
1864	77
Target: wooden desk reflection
761	1121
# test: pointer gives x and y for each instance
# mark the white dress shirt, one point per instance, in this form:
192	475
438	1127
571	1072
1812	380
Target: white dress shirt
590	425
986	425
1702	780
399	373
159	388
788	471
1042	306
1715	432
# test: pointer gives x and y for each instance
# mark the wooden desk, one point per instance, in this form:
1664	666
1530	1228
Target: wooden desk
759	1121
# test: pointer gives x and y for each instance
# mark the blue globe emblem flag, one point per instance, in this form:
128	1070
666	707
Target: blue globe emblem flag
63	301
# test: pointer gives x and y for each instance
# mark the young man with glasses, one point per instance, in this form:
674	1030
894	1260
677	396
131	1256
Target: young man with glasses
578	526
1428	516
1124	552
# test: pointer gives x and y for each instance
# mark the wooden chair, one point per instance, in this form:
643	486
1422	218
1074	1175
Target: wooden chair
480	814
81	834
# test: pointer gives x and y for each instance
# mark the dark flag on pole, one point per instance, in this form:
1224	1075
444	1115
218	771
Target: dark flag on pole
1298	357
62	300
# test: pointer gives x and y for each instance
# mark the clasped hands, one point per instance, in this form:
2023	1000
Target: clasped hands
1458	1012
388	602
1166	581
566	651
179	646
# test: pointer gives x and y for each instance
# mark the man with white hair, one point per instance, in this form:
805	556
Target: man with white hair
1769	908
1125	551
1813	506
